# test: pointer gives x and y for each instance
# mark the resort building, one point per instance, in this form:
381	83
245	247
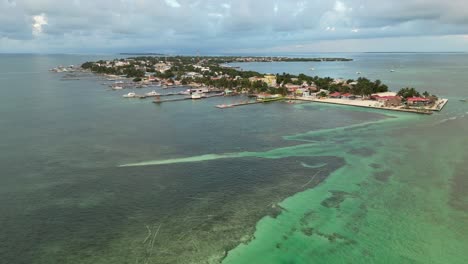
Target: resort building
418	101
335	95
390	100
270	79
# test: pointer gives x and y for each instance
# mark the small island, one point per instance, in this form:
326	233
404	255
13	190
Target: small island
208	77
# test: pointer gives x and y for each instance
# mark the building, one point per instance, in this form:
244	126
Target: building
266	96
417	101
270	79
255	79
192	75
389	101
201	68
348	96
335	95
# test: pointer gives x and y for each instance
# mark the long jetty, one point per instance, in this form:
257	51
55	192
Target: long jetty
158	101
223	106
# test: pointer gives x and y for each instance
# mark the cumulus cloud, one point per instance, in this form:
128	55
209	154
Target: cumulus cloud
39	21
178	25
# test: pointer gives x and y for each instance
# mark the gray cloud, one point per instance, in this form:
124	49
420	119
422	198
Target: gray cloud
211	24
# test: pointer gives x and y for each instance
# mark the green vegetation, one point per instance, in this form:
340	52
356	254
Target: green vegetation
209	71
408	92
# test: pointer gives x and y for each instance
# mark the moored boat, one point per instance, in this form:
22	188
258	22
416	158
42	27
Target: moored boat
129	95
152	93
196	96
186	92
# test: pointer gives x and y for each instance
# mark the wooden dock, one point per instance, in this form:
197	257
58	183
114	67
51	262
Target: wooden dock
171	100
249	103
156	101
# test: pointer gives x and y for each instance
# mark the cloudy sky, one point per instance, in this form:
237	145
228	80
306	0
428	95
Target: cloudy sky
232	26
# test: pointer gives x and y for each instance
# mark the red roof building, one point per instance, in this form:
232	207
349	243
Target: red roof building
417	99
335	95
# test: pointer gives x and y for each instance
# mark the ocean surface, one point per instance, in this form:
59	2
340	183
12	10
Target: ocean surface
90	177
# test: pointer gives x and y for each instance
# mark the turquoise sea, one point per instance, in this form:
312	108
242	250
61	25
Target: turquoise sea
90	177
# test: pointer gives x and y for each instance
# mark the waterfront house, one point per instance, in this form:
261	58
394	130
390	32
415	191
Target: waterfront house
417	101
348	96
389	100
335	95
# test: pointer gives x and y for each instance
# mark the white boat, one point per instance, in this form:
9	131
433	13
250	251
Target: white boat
200	90
152	93
392	70
312	69
129	95
358	72
196	96
186	92
117	87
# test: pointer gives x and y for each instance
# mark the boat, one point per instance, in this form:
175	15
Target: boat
312	69
358	72
186	92
129	95
392	70
117	87
196	96
200	90
463	100
152	93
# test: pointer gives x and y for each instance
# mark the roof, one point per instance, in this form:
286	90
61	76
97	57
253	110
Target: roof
385	94
388	97
347	95
417	99
335	94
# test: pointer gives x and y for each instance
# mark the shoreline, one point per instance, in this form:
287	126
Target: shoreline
368	104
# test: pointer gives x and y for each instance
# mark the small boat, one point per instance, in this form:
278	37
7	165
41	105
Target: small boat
196	96
186	92
463	100
129	95
152	93
358	72
117	87
392	70
312	69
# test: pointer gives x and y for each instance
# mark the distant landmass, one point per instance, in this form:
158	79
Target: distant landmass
142	53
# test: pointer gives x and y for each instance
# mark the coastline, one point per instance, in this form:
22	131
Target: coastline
372	104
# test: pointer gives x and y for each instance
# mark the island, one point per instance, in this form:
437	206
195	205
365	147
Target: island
211	76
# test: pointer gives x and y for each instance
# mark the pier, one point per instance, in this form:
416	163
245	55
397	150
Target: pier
158	101
223	106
